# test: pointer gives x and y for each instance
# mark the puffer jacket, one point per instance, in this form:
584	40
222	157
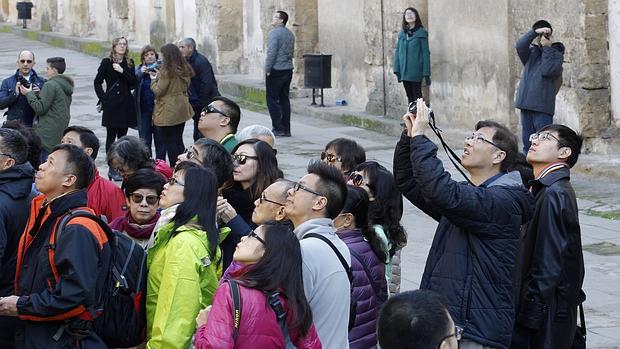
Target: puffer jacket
258	326
472	258
171	100
369	289
181	280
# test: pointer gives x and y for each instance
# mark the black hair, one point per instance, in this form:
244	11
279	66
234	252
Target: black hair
413	319
418	20
542	24
78	163
568	138
131	152
526	171
57	63
280	267
200	199
232	111
267	170
387	208
216	158
283	16
14	144
505	140
331	185
357	205
350	153
144	178
33	140
87	138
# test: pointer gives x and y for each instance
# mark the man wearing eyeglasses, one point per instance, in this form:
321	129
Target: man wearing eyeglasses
552	268
219	121
472	258
10	94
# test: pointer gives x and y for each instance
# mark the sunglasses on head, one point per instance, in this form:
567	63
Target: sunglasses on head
150	199
330	157
241	159
211	109
22	61
357	179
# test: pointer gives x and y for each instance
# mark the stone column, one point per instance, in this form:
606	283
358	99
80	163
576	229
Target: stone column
614	59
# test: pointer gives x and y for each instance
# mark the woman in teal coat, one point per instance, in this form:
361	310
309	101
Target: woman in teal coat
412	59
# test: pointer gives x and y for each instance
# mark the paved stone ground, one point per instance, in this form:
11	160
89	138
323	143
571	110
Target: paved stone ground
600	236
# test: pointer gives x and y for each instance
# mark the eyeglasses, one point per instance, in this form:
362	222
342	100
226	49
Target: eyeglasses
252	234
189	152
357	179
173	181
151	200
330	157
22	61
211	109
304	188
479	138
241	159
543	136
263	198
458	333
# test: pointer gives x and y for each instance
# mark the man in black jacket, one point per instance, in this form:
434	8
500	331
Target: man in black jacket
16	192
203	87
472	258
552	269
58	286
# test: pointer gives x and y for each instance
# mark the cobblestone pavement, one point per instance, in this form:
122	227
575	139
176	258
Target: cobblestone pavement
600	236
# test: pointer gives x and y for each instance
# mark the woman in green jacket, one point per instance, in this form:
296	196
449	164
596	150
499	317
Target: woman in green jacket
184	261
412	59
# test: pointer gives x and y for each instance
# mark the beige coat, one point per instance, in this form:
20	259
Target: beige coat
171	101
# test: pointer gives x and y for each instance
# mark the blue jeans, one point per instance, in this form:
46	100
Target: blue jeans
278	84
532	122
149	132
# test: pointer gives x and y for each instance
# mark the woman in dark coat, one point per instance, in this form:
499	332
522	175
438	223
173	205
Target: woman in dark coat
119	111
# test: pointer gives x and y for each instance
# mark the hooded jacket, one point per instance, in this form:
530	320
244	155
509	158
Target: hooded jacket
472	258
105	198
17	104
171	100
52	108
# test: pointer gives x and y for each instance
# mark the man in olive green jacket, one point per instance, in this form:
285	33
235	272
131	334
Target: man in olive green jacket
51	105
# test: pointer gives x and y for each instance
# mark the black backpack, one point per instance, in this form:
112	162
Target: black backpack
121	315
347	268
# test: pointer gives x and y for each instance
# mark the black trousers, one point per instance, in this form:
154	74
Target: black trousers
112	135
172	136
278	85
413	90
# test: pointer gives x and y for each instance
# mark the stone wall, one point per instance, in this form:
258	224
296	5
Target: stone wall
614	56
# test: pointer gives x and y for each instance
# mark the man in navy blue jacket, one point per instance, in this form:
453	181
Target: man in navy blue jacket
11	98
472	258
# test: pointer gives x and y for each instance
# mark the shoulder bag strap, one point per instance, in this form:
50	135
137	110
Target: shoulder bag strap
236	298
340	257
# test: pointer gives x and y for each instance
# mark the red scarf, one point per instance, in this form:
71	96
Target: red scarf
133	229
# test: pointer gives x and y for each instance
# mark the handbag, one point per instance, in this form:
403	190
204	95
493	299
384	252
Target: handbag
580	332
99	104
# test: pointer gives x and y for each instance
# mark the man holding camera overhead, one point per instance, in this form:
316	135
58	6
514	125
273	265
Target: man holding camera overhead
472	258
12	98
541	79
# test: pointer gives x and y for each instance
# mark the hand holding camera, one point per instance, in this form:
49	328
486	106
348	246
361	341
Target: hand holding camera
417	118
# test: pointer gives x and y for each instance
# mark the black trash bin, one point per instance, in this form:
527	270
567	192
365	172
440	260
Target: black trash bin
24	11
317	73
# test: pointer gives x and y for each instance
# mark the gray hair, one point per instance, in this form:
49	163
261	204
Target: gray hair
189	42
255	131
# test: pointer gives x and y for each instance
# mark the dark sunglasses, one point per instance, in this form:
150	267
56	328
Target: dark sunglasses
211	109
241	159
252	234
330	157
152	200
263	198
22	61
173	181
357	179
304	188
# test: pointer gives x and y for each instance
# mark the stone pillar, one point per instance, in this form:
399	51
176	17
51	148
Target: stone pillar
614	59
75	15
304	23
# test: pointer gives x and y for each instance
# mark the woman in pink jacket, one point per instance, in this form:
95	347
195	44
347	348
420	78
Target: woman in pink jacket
272	305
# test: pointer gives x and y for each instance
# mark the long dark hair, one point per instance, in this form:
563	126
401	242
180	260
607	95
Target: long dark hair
357	205
267	170
174	64
200	198
280	268
418	20
388	206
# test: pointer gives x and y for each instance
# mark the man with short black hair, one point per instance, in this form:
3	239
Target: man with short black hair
279	73
472	258
552	268
104	197
219	121
51	105
10	95
416	320
54	301
15	195
311	205
203	87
